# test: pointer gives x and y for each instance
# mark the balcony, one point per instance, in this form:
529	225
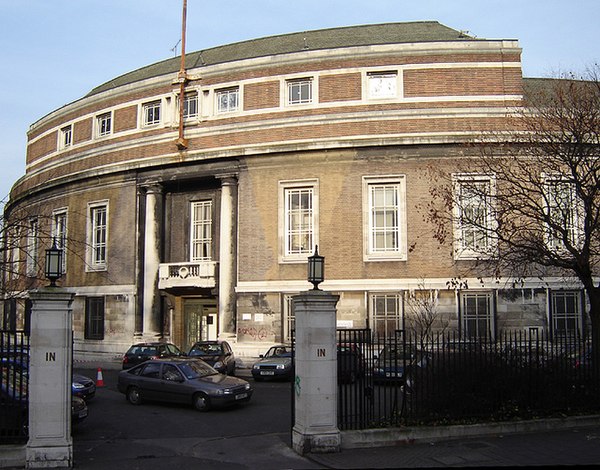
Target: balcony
180	275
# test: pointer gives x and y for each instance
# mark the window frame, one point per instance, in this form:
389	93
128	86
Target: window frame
390	77
565	317
229	92
462	250
201	241
95	318
289	318
302	82
151	113
285	190
32	247
65	138
488	317
575	216
191	97
95	263
371	252
386	317
60	232
103	123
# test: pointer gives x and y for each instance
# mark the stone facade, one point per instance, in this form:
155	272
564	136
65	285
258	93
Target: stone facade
198	242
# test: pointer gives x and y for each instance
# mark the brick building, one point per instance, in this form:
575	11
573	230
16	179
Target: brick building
314	138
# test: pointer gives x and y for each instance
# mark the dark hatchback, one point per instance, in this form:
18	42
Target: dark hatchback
217	354
83	387
277	363
182	380
142	352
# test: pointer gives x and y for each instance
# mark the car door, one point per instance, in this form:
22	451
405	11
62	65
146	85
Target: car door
228	358
149	381
173	386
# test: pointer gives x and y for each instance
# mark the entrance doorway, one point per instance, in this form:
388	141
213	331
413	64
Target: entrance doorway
200	317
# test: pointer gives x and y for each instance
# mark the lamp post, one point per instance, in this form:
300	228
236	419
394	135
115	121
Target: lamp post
53	264
316	268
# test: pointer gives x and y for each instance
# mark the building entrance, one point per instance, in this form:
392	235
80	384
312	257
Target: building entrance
200	319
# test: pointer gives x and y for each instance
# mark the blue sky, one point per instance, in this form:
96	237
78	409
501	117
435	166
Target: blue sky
54	51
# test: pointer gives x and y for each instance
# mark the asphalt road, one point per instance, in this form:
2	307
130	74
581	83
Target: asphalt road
119	435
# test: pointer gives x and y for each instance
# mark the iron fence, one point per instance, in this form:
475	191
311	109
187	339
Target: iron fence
14	398
406	379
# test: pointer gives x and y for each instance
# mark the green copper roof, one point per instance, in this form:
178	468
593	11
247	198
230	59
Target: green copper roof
391	33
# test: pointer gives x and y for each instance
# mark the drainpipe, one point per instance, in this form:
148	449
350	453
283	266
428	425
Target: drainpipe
181	142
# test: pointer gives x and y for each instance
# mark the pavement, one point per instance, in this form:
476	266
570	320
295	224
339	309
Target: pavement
573	447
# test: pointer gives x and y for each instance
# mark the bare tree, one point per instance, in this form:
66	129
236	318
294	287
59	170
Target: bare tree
526	201
424	317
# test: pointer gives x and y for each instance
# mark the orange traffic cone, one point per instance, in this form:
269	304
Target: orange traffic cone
99	379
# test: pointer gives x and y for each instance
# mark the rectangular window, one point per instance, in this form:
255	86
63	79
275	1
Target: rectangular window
565	312
473	217
32	247
151	113
103	124
299	91
94	318
227	100
59	234
387	314
299	221
97	237
201	231
66	137
384	210
190	105
382	85
289	319
477	312
563	214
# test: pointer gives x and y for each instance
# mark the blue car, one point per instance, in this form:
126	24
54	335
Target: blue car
395	364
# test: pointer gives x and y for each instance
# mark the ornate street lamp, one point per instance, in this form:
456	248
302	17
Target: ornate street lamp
316	269
53	263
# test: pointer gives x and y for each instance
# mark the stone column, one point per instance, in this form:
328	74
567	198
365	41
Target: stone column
152	240
227	256
50	375
315	428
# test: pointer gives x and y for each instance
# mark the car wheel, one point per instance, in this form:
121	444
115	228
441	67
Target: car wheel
134	396
201	402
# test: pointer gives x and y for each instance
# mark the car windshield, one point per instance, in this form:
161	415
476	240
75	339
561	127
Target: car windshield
396	355
143	350
206	349
279	351
196	369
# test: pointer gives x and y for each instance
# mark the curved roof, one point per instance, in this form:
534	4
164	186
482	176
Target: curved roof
364	35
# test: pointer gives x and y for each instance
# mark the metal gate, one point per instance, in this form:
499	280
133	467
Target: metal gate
372	379
14	381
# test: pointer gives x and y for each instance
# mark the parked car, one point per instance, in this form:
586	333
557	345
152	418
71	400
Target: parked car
350	363
14	385
79	409
141	352
83	387
217	354
277	363
182	380
395	363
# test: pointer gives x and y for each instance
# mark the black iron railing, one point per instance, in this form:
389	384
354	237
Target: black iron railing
406	379
14	397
